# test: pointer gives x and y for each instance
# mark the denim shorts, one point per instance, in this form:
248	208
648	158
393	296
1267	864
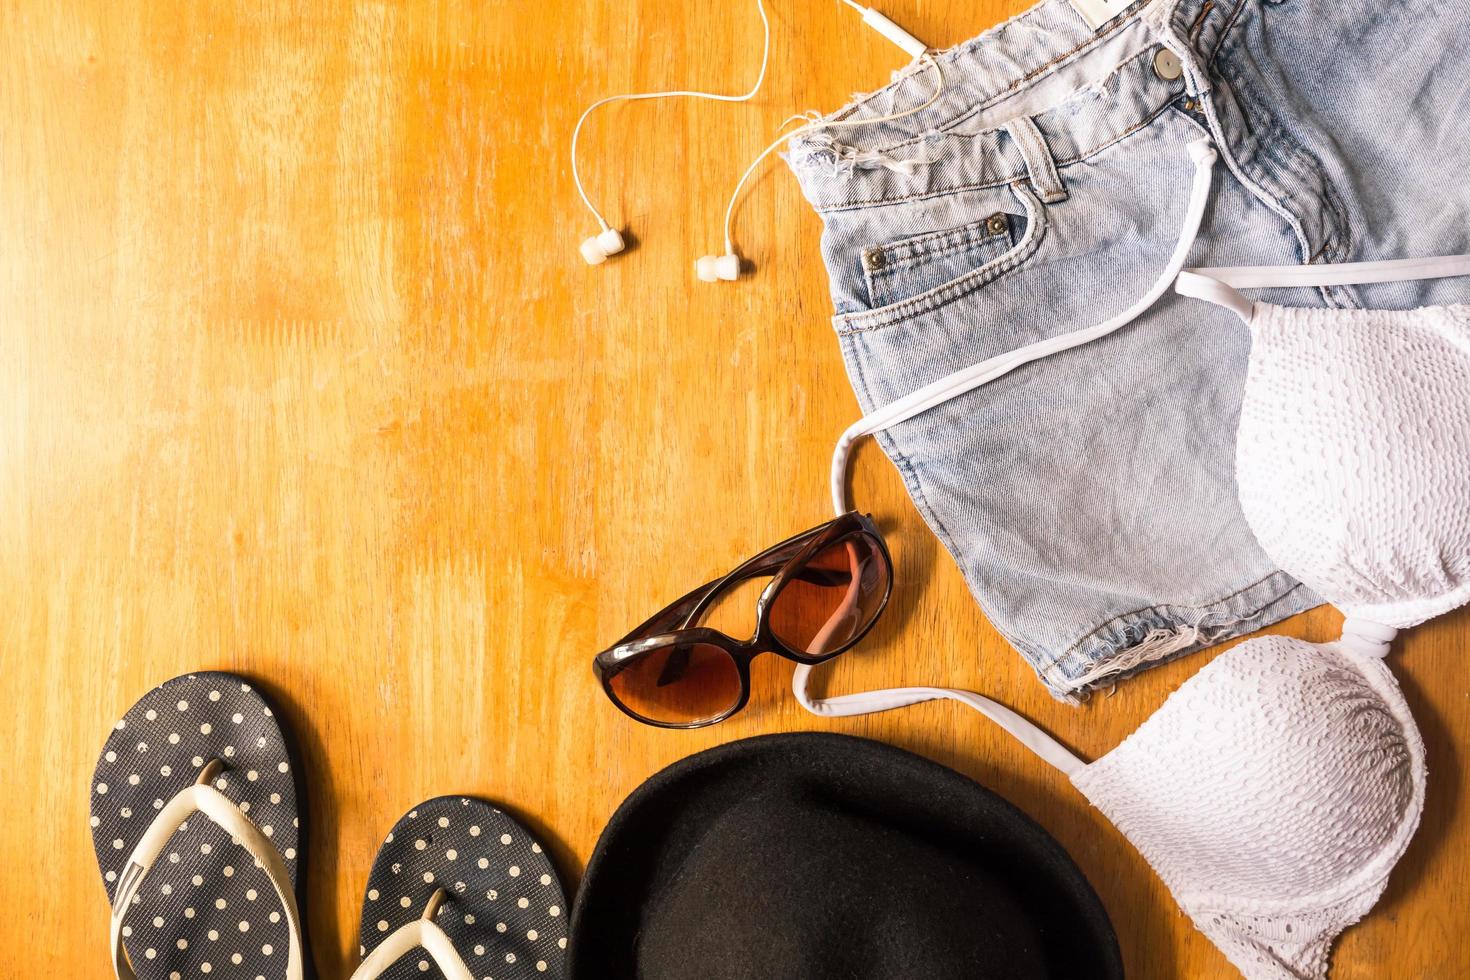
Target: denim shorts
1090	498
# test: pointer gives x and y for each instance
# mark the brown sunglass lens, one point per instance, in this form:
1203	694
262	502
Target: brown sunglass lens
682	684
832	598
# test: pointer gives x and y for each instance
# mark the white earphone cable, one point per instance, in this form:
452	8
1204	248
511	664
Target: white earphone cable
678	93
824	124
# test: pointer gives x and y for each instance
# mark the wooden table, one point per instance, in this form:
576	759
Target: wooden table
301	376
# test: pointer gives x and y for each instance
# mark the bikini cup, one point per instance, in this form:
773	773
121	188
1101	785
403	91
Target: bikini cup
1353	456
1275	790
1273	793
1353	466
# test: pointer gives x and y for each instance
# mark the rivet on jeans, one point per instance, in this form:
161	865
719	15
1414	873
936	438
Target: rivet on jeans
1167	65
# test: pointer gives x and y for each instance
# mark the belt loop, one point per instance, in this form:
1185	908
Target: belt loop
1039	165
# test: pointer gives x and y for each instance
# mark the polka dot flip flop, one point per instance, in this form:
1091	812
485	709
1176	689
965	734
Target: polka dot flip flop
195	824
460	890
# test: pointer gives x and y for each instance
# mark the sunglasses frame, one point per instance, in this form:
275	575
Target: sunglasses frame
782	561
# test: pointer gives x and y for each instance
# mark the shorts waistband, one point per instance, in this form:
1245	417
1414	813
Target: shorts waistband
1080	90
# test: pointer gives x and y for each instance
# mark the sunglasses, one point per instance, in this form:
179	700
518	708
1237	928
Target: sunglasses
828	587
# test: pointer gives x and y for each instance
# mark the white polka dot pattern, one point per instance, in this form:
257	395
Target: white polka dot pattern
504	908
204	908
1353	456
1273	793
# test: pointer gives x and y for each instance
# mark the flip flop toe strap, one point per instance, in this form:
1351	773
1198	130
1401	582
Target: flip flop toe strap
205	799
421	933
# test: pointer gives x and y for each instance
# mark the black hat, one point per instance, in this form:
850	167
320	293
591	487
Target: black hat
815	855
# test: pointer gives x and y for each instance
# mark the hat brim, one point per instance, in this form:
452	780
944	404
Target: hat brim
648	839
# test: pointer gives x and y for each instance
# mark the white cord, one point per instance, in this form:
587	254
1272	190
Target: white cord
967	379
824	124
680	93
1222	285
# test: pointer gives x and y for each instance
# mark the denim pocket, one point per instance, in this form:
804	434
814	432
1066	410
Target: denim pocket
936	269
898	270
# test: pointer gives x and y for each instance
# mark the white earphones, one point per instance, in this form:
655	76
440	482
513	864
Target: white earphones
609	241
727	267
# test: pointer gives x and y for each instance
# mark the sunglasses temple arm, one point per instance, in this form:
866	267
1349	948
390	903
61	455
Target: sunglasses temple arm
684	612
692	607
870	702
849	602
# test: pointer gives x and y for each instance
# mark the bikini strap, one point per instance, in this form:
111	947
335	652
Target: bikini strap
1201	284
1221	285
1366	638
869	702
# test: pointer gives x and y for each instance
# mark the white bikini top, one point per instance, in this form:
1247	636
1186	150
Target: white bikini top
1275	790
1351	457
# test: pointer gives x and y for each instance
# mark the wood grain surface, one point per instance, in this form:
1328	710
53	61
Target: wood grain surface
301	376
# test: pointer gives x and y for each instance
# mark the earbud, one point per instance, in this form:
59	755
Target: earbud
712	268
607	242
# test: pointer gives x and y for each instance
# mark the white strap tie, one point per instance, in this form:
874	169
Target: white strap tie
205	799
1366	638
1199	284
